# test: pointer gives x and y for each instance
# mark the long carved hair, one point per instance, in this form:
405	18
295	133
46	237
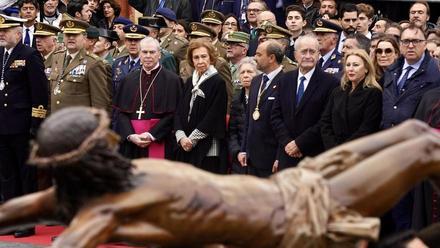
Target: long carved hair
75	144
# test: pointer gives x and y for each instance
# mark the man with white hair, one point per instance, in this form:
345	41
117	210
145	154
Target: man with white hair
306	90
146	102
23	101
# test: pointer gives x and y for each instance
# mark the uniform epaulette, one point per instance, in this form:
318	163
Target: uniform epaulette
291	61
183	40
59	51
93	56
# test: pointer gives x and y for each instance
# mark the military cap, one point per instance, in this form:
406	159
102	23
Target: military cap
201	30
324	26
153	22
212	16
108	34
262	27
44	29
276	32
238	37
167	13
133	31
122	20
92	32
9	21
73	26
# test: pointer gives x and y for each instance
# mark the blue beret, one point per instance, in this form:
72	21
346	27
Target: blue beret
122	20
167	13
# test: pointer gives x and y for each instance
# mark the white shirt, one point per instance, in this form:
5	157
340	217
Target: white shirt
308	76
342	38
414	66
31	34
9	51
272	75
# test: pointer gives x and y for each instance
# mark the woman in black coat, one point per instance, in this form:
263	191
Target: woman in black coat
200	120
247	69
355	108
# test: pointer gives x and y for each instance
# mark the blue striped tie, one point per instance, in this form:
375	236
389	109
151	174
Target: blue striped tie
300	92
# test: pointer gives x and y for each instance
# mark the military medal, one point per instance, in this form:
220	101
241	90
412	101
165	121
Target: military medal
256	114
57	90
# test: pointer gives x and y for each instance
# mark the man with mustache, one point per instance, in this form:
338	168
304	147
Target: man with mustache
419	15
77	76
349	22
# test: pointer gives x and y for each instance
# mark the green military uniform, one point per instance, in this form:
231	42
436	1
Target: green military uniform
240	38
213	17
220	48
168	61
288	64
278	33
119	52
85	81
175	45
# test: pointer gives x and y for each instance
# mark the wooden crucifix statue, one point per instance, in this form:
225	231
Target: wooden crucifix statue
330	199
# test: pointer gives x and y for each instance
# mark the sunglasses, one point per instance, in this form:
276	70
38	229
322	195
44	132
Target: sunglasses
387	51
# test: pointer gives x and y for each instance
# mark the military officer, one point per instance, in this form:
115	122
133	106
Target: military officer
46	41
201	31
128	63
282	36
237	44
78	77
169	41
214	19
118	24
328	34
104	45
23	105
154	25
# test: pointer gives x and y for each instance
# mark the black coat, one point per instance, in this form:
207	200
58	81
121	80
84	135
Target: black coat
208	115
260	143
25	88
236	128
400	107
351	115
300	123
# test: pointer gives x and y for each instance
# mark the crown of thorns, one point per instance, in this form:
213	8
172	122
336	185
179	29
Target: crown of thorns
101	132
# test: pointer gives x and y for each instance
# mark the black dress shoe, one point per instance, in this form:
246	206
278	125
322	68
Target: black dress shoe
24	233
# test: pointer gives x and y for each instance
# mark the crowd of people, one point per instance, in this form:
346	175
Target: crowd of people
226	88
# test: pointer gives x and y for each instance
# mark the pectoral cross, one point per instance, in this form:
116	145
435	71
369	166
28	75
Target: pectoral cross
140	112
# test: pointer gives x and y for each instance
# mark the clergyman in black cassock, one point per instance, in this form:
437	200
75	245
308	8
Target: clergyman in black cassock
162	89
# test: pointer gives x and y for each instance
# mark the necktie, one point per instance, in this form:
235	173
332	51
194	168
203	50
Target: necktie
265	80
5	58
67	61
161	3
27	38
321	60
402	81
300	92
131	65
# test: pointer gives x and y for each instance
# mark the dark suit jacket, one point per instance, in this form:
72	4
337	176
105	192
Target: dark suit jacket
25	88
351	115
260	143
182	8
300	123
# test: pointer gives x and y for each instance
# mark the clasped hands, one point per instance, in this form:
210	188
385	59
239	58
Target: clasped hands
142	140
292	150
186	144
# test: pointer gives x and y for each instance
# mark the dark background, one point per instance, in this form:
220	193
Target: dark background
399	10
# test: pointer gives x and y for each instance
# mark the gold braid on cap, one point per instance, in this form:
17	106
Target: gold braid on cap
102	131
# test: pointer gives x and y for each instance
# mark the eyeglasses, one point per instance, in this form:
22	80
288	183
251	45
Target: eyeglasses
253	10
415	42
387	51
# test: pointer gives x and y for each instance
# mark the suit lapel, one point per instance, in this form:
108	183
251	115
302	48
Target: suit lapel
270	88
311	87
291	91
